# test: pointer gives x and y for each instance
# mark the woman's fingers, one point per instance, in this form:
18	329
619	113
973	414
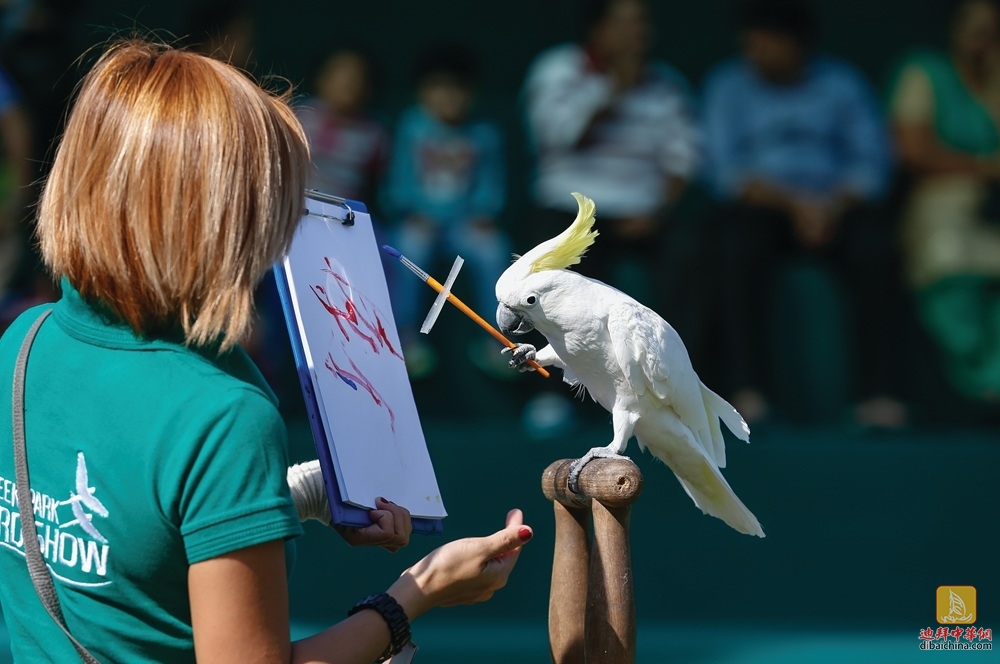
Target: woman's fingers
515	517
402	523
390	527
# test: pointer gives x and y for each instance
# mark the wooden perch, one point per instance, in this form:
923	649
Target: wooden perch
592	598
613	482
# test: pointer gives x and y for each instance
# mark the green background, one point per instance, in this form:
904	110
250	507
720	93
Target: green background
861	526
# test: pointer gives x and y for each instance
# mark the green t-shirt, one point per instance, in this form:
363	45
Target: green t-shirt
145	457
961	121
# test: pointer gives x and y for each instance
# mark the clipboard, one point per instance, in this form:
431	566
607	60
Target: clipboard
332	369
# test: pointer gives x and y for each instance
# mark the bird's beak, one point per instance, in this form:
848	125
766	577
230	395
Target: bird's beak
512	322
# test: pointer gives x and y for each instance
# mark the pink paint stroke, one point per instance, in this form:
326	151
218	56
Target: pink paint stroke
357	378
356	317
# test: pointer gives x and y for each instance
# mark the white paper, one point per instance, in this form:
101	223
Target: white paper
349	337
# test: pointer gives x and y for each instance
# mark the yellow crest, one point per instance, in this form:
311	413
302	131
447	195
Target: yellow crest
568	247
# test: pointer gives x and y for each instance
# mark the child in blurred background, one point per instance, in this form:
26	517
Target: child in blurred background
350	149
446	188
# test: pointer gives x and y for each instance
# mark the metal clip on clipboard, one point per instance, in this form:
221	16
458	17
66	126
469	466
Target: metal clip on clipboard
334	200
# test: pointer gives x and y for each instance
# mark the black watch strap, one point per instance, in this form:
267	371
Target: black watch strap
394	616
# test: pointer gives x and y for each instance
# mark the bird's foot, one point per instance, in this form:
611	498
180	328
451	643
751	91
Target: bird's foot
595	453
520	355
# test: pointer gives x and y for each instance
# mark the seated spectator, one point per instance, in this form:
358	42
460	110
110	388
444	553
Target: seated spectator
446	187
797	156
350	149
37	54
609	122
16	173
944	108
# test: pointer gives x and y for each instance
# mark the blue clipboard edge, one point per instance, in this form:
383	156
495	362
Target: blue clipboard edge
343	513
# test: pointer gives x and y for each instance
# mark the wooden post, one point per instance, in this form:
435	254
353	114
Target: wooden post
570	568
592	599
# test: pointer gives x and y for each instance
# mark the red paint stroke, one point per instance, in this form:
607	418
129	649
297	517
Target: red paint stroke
357	314
357	378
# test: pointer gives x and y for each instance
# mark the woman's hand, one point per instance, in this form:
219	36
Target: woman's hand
465	571
390	528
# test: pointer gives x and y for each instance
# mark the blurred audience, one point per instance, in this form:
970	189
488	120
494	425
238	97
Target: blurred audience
796	154
36	77
798	157
944	108
446	188
607	121
16	175
38	47
350	148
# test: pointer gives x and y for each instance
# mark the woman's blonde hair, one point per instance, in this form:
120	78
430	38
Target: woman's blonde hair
178	183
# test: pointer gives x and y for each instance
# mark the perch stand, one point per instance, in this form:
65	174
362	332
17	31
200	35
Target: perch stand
592	599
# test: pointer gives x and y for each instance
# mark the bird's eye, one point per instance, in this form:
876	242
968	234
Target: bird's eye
531	299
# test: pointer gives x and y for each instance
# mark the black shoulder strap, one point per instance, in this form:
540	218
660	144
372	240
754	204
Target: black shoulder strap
37	568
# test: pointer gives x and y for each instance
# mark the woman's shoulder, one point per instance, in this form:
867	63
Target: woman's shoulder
929	60
233	376
669	78
567	54
567	60
12	337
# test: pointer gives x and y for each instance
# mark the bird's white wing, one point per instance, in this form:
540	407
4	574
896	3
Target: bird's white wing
655	362
639	343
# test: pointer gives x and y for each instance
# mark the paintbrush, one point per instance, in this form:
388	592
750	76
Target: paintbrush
462	306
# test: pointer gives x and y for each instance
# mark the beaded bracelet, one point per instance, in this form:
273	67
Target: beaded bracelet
395	617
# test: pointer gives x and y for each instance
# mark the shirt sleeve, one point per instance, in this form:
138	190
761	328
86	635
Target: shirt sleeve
562	98
679	141
233	491
725	163
911	101
865	141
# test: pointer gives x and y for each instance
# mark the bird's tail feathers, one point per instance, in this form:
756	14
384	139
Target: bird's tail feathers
713	495
724	410
718	443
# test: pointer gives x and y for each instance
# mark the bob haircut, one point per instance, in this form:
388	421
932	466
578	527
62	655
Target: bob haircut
178	183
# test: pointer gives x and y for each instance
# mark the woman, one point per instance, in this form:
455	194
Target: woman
157	455
944	109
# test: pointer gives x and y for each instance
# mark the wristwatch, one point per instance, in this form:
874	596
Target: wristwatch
395	618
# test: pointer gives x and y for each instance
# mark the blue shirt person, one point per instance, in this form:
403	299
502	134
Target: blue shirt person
821	136
798	157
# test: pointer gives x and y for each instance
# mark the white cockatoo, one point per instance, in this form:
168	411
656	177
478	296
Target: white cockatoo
630	360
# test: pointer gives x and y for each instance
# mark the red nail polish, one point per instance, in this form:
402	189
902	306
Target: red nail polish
524	534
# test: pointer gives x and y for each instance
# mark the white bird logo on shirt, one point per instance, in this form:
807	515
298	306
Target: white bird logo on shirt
84	497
